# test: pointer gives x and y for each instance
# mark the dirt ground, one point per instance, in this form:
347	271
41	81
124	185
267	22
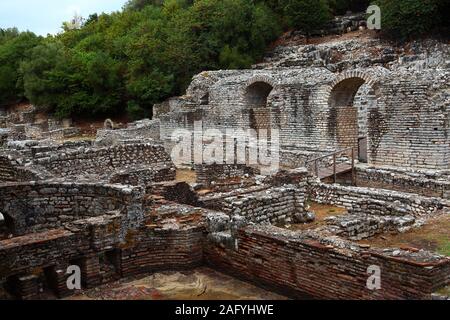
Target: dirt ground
322	212
434	236
199	284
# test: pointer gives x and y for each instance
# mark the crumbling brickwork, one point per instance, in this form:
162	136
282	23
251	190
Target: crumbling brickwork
301	266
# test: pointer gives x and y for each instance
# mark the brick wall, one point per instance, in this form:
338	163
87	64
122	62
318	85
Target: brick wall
291	263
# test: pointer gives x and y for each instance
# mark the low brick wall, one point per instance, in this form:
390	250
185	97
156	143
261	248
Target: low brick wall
301	267
157	249
395	203
403	181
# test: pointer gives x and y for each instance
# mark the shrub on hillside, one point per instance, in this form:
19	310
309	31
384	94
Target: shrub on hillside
307	15
408	18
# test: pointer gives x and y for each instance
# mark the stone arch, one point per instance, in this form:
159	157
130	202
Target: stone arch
257	94
204	99
346	122
256	102
108	124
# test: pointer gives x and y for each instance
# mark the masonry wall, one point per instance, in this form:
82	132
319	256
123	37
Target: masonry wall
222	172
278	259
36	207
274	205
10	171
392	202
152	249
104	160
404	182
402	115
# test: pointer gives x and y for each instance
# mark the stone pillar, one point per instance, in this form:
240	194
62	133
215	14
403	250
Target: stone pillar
90	271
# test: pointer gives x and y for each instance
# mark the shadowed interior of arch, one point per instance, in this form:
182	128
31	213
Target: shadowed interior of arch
344	123
256	97
7	225
343	94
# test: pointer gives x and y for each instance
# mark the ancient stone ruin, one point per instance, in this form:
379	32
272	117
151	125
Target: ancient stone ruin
362	126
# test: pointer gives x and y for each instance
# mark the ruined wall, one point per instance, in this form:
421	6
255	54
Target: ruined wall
11	171
153	249
40	206
263	205
389	105
210	173
426	185
409	127
388	202
303	267
144	176
104	161
141	130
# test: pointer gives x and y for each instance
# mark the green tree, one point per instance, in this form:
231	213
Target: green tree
14	48
307	15
409	18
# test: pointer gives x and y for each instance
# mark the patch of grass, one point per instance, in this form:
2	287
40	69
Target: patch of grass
444	291
444	246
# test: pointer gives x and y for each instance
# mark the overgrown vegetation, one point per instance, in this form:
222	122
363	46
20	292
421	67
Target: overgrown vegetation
126	61
406	18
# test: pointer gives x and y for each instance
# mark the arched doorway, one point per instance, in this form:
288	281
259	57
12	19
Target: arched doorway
256	97
348	101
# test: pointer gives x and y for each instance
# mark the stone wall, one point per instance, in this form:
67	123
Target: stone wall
272	205
141	130
390	103
413	182
388	202
104	161
11	171
40	206
144	176
221	173
305	267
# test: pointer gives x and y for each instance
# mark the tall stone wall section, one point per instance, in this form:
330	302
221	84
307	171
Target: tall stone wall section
401	112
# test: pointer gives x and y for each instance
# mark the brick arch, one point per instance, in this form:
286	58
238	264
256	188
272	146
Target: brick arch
255	80
345	122
346	85
260	78
354	74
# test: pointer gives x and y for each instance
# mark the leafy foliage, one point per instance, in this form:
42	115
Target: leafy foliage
14	48
125	62
406	18
307	15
